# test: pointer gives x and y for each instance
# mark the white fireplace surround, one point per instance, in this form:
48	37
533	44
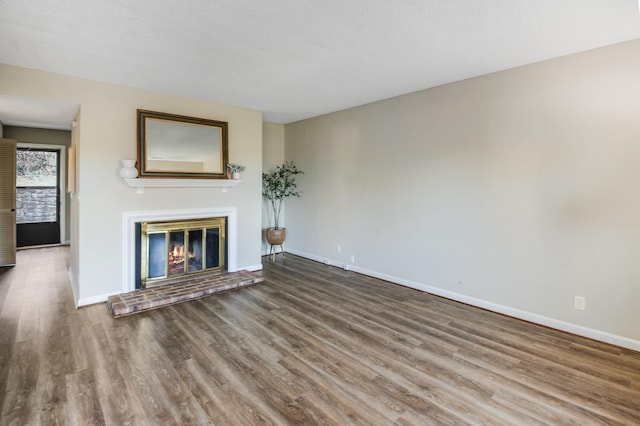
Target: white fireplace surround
129	220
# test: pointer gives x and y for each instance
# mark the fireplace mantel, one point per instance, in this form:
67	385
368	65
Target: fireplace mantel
141	183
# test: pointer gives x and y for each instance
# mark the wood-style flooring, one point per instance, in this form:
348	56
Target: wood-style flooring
311	345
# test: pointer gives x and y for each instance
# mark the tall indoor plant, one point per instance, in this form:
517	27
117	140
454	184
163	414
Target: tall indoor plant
277	185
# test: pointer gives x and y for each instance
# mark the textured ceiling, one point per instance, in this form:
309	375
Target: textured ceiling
298	59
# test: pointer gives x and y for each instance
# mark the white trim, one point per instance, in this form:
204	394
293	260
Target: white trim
276	250
95	299
129	220
579	330
141	183
62	175
253	268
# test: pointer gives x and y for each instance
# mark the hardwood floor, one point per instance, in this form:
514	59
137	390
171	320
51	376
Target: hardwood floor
311	345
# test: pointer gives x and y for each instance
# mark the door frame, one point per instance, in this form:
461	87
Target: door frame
62	175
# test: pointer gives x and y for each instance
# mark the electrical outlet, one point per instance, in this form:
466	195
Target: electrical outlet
339	248
579	302
353	259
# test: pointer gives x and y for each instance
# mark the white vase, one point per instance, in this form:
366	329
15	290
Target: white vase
235	175
128	169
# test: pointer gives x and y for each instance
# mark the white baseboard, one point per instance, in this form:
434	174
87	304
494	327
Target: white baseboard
579	330
276	251
252	268
95	299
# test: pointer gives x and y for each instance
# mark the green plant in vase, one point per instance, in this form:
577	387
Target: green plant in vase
278	184
235	170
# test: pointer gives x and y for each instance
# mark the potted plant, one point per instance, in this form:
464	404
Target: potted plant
235	170
277	185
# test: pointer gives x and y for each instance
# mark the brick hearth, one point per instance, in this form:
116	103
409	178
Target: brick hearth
179	291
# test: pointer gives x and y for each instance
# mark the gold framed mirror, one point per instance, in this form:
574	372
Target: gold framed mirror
177	146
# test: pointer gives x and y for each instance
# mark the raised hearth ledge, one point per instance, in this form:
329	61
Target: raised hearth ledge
141	183
129	220
183	290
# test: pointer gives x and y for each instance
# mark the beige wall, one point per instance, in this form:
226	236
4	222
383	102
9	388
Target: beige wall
47	137
272	155
106	133
516	191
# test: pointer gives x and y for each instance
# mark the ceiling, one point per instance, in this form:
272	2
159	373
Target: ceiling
296	59
26	112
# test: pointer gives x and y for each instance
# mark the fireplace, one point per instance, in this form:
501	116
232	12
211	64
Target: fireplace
179	248
131	223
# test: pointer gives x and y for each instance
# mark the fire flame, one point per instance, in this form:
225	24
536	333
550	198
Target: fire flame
176	255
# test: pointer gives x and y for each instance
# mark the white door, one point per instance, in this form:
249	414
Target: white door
7	202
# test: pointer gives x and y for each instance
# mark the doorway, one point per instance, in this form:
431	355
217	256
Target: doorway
37	197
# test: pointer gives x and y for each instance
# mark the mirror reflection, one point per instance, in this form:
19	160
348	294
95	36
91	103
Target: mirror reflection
180	146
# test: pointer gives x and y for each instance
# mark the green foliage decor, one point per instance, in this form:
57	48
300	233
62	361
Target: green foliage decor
235	168
279	184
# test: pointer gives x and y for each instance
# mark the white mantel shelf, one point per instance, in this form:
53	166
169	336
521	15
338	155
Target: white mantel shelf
141	183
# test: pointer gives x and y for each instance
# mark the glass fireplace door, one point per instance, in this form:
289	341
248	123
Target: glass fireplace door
174	249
